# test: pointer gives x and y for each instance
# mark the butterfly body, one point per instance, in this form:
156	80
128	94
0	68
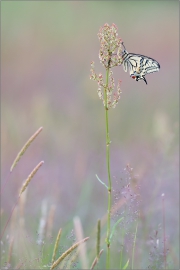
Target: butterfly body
139	65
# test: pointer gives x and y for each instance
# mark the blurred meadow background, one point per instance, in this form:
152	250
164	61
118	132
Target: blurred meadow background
46	51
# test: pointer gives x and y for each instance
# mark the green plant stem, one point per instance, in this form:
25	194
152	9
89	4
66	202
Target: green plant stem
134	243
109	174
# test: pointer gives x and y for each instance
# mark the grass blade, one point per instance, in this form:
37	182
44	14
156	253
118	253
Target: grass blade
101	181
114	227
126	265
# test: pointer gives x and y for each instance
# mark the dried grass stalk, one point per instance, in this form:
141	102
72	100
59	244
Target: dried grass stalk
72	260
26	183
96	259
56	245
10	251
82	248
67	252
22	151
50	220
22	203
13	223
98	237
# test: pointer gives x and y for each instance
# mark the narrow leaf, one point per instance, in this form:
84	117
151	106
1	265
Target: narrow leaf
101	181
126	265
114	227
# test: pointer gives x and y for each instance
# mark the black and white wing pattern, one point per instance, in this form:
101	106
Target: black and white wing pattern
139	65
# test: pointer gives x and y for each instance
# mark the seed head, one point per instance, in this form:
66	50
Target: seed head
110	46
110	55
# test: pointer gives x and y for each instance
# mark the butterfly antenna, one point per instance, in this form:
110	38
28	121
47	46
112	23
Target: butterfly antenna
123	46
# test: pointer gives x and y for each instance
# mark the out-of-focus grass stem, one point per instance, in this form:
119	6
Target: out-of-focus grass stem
164	232
134	244
24	186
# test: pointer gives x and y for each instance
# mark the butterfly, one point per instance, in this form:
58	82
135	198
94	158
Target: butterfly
139	65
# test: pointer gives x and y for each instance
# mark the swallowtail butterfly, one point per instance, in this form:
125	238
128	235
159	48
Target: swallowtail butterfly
139	65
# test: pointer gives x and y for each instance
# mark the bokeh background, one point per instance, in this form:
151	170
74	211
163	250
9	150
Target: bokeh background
46	51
